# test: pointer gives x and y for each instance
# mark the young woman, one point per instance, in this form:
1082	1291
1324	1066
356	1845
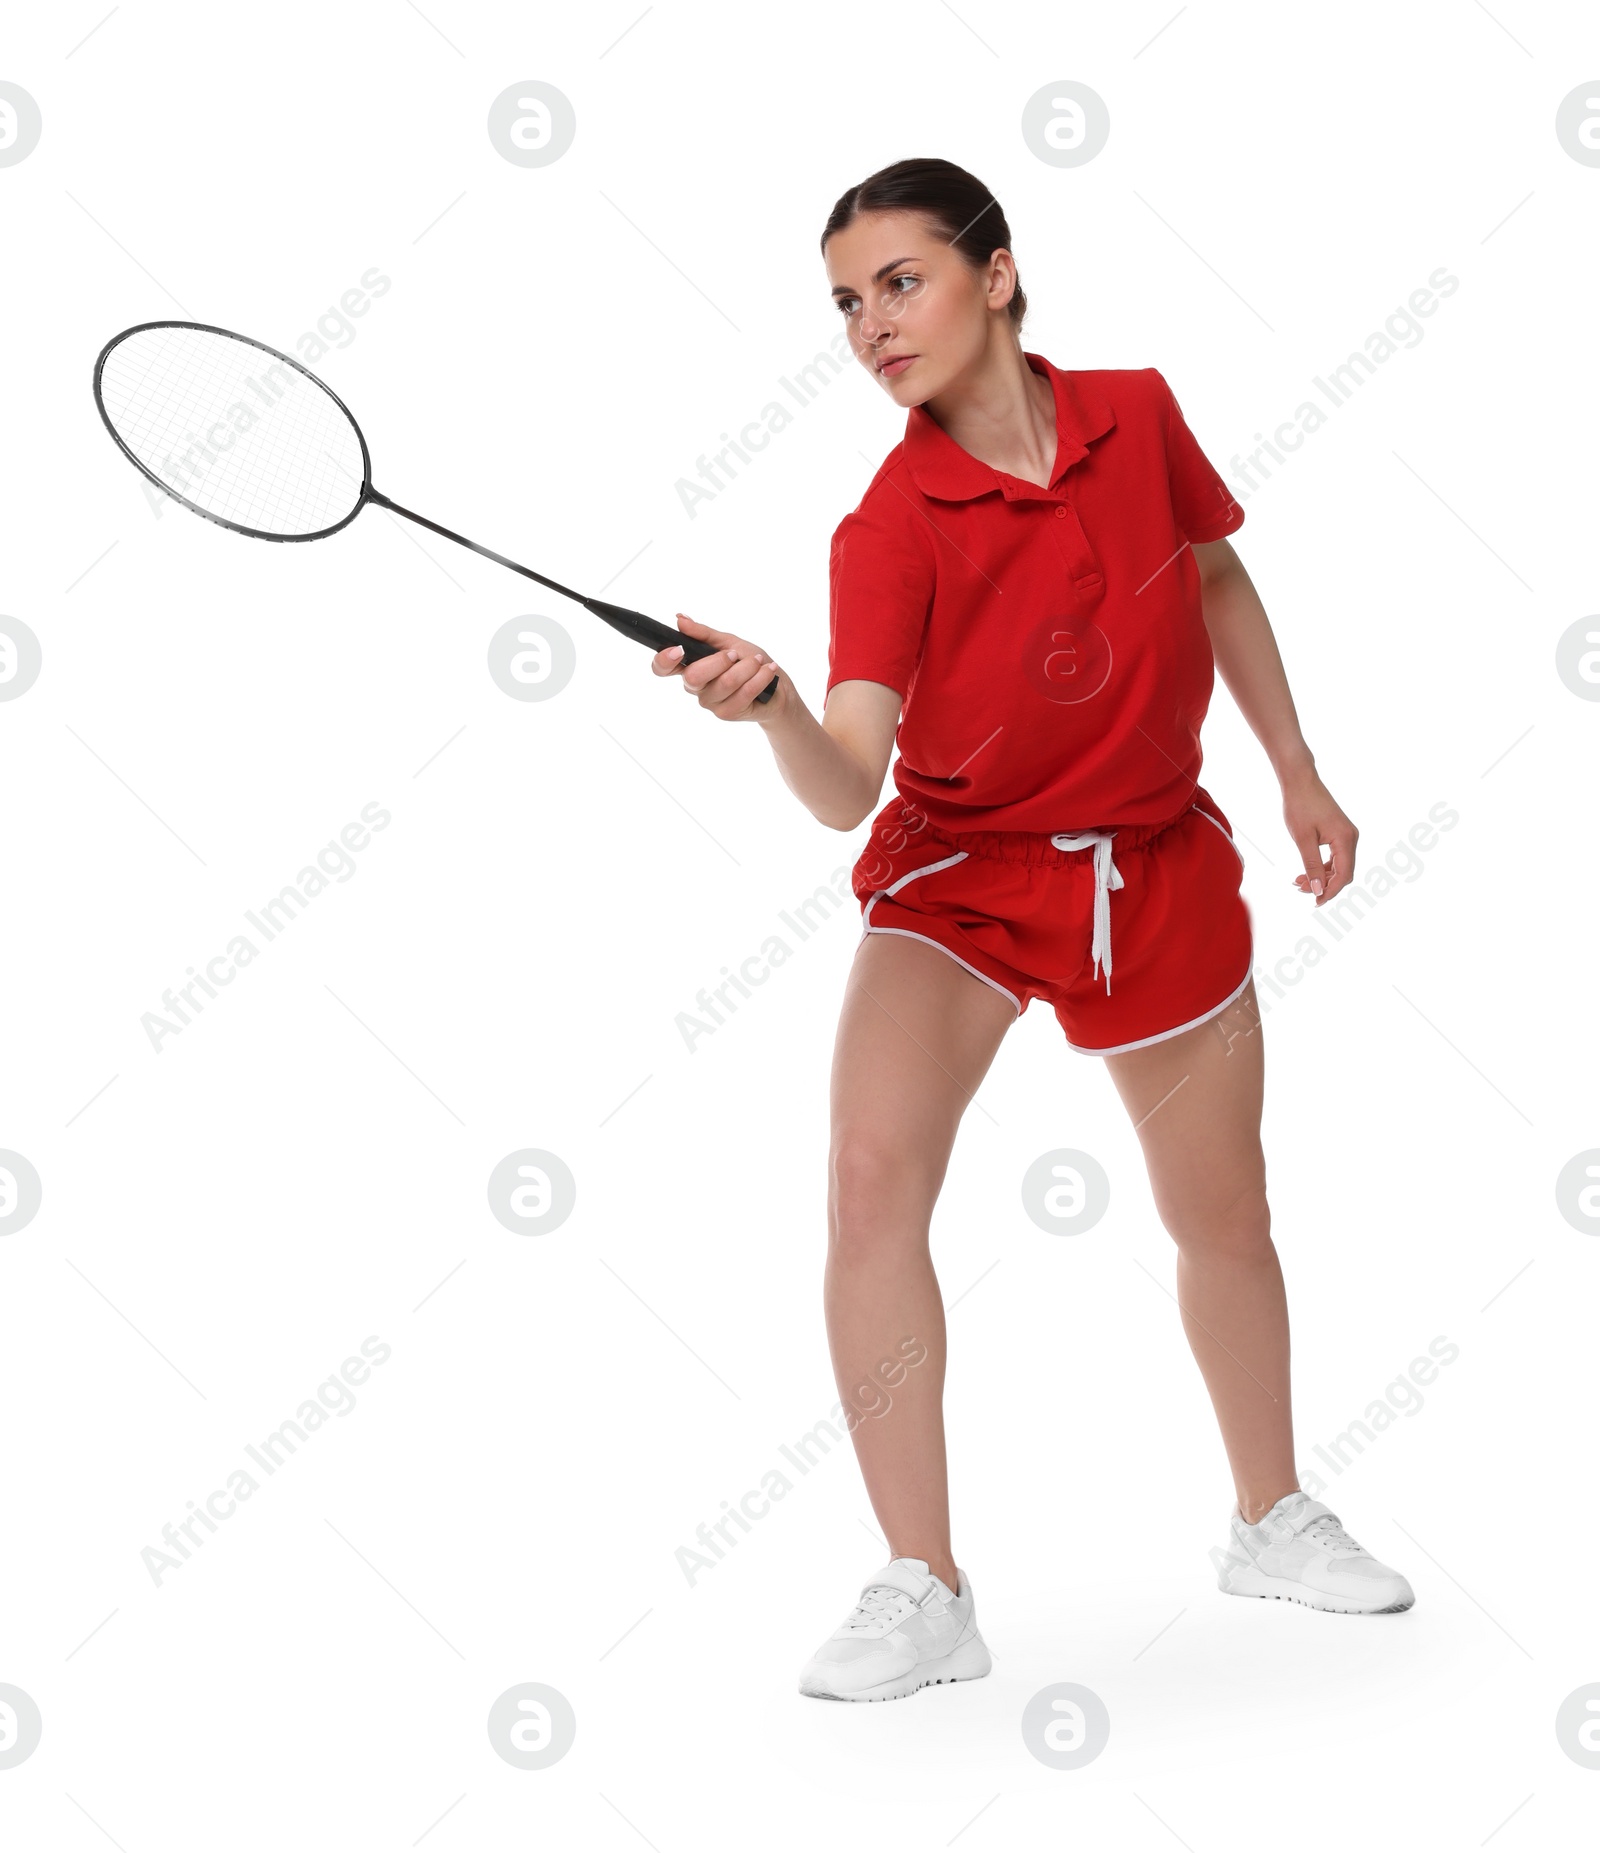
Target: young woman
1031	600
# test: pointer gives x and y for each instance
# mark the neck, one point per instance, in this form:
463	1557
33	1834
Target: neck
1002	412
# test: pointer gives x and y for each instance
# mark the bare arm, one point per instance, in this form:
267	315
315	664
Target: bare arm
1250	665
835	766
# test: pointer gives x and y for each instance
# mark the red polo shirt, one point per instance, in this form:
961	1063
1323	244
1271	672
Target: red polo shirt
1048	643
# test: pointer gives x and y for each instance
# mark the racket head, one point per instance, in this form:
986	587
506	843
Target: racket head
165	390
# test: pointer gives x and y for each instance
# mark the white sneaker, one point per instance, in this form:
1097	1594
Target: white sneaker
1299	1552
908	1630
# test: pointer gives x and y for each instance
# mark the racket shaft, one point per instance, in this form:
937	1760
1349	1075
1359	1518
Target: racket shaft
648	631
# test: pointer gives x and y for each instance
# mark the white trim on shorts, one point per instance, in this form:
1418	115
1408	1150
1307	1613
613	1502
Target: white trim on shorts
1121	1048
906	933
1166	1035
1211	820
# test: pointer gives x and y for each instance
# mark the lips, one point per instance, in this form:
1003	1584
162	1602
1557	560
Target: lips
895	364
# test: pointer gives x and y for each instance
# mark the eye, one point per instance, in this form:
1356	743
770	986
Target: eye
904	276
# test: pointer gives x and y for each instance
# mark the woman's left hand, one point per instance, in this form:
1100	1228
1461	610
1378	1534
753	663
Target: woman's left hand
1313	819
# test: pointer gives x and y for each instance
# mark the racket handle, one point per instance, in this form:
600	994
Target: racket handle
659	636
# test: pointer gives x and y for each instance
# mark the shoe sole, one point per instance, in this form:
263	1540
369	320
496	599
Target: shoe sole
1280	1589
969	1661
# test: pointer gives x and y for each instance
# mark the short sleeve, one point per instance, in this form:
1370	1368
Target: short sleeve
1202	503
880	592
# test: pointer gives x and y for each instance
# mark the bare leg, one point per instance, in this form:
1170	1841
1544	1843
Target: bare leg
1195	1101
917	1034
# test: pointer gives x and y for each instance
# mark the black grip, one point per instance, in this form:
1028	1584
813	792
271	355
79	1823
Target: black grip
659	636
696	647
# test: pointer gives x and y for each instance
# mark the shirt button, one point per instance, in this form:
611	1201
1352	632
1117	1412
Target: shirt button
1061	511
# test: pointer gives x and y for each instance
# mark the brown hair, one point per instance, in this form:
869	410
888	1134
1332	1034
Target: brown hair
954	201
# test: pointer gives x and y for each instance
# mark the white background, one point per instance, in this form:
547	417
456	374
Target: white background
306	1164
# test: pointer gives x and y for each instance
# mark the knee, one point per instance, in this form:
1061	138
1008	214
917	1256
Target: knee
877	1195
1238	1230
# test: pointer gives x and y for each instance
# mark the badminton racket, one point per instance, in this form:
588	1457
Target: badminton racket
248	438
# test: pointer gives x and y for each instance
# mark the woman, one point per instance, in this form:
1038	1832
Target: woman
1031	600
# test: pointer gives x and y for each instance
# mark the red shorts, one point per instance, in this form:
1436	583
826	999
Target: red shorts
1132	934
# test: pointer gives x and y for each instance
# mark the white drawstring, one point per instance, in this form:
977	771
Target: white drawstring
1106	877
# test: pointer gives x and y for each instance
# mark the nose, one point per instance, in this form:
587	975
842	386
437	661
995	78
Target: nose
874	327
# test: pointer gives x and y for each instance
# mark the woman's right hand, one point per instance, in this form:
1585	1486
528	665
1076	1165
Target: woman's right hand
728	683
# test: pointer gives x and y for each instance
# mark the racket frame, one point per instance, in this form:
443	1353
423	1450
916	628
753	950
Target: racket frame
233	527
634	624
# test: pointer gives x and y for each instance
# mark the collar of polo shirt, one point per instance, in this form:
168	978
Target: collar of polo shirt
942	469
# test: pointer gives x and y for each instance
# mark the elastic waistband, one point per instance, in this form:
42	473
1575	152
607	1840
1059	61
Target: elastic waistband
1037	847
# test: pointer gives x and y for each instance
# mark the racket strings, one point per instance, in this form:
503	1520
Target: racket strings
238	432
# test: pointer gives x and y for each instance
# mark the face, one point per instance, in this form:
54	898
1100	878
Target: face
908	297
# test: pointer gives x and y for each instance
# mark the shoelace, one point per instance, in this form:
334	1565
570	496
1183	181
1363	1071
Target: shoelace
879	1603
1328	1530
